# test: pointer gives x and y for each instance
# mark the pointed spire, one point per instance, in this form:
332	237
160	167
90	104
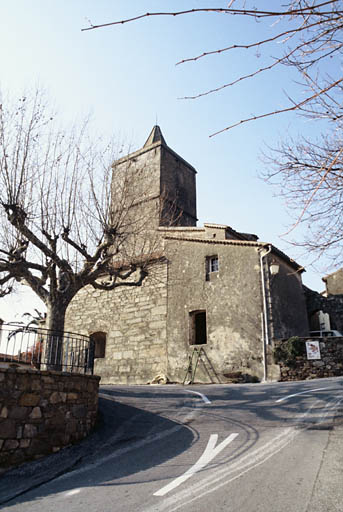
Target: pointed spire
155	136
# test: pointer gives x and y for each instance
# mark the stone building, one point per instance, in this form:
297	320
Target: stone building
334	283
212	287
327	305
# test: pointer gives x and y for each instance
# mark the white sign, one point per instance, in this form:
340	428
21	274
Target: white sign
313	350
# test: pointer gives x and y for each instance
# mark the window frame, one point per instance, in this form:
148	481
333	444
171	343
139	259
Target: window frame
214	262
212	265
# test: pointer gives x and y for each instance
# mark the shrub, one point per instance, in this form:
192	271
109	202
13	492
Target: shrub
287	351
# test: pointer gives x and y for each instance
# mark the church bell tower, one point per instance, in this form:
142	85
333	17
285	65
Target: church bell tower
161	183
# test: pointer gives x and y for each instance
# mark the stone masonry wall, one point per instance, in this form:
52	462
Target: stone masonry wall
231	299
334	283
330	364
134	321
43	411
178	182
287	306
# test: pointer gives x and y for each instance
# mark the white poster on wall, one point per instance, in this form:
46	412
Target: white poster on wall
312	349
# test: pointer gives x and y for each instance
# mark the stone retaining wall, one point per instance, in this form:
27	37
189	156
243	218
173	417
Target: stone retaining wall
330	364
43	411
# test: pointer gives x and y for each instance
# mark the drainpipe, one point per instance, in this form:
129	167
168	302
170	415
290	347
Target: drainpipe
265	312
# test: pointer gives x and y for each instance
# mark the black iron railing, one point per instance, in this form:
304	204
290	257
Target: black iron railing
43	349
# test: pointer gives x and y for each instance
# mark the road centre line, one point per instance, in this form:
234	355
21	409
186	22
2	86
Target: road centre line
210	452
204	397
301	393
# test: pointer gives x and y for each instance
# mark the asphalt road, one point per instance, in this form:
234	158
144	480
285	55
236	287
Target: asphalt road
256	447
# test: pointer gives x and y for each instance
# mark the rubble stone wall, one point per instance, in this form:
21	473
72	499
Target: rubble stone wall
330	364
231	299
334	283
43	411
287	309
134	322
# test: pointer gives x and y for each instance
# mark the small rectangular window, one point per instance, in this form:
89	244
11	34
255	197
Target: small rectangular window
212	265
99	340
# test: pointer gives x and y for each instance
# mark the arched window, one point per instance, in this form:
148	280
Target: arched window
99	339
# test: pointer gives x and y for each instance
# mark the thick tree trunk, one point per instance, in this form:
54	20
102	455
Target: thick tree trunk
54	343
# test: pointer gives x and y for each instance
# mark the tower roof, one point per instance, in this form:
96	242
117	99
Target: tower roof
155	136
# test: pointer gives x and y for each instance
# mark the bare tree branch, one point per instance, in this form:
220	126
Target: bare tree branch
122	276
309	175
241	12
313	35
295	106
316	189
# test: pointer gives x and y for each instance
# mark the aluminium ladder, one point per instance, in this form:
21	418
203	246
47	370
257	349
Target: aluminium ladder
198	354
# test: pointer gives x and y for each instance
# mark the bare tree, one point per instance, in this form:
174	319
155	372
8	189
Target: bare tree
307	36
64	226
309	176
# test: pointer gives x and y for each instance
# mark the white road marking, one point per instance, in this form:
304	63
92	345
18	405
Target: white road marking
204	397
72	492
210	452
301	393
238	468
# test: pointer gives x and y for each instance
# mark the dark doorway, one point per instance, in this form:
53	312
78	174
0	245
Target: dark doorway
198	328
99	339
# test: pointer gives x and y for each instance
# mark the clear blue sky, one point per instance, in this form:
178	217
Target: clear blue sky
126	77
